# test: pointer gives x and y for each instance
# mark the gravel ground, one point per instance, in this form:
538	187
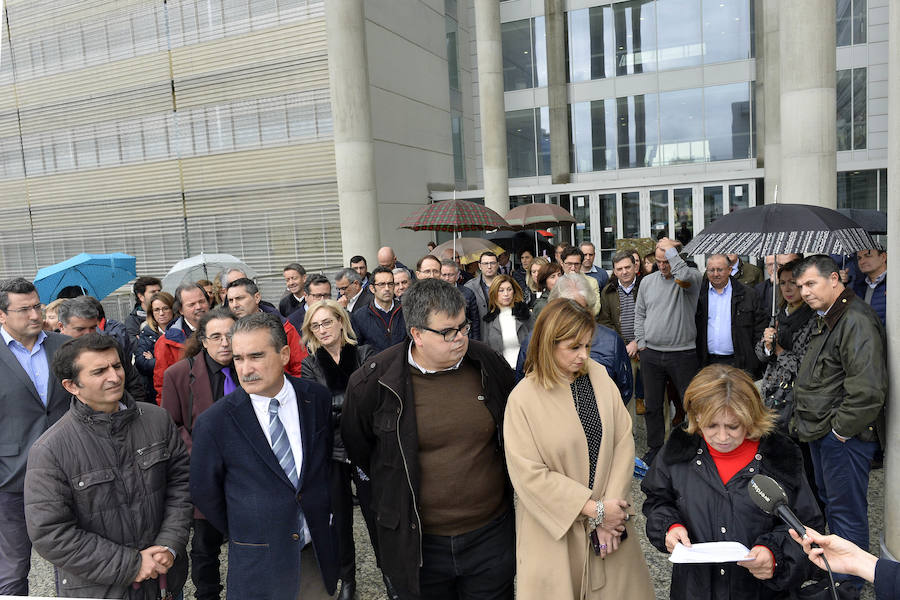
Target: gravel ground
370	586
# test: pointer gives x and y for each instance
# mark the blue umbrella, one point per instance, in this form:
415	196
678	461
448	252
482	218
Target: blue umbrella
97	274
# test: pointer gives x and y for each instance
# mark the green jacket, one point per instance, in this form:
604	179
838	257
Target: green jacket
842	382
610	309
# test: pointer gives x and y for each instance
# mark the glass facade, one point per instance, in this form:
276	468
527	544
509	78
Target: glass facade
528	142
862	189
850	93
524	54
640	36
851	22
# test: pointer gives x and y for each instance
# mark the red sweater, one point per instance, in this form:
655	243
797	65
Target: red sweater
729	463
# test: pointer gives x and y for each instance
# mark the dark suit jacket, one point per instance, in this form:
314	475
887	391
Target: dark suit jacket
237	483
363	301
23	417
747	324
187	391
287	305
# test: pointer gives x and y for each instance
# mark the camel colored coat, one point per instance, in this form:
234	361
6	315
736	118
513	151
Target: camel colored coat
547	457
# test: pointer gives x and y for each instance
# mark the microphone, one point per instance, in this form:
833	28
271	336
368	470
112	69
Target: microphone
771	499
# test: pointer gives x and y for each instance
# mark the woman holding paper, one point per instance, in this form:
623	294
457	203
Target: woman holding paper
570	455
697	492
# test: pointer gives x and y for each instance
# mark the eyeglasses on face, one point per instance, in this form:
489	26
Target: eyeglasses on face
324	324
450	333
384	284
25	310
319	296
218	338
492	263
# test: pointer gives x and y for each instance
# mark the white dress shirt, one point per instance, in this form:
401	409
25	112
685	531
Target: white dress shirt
289	415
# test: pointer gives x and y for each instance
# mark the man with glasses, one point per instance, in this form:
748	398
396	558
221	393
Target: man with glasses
190	386
193	302
481	285
423	421
380	324
31	399
450	274
351	293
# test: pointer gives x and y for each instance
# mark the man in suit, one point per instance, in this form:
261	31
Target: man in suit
294	278
190	386
260	469
351	293
31	399
729	322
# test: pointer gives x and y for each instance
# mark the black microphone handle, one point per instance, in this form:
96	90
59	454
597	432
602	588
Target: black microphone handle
788	516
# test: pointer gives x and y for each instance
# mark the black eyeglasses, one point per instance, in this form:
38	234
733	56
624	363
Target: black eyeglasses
450	333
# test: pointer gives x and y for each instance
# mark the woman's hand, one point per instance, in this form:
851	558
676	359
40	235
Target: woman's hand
676	535
760	563
148	355
614	515
609	541
843	555
769	338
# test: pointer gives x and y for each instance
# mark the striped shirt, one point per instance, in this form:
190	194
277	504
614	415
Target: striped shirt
626	310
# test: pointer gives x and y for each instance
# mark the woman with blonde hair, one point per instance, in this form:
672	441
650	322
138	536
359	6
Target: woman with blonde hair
697	492
532	273
508	320
333	356
570	456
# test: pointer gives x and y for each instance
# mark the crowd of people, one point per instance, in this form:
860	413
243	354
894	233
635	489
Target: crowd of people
482	421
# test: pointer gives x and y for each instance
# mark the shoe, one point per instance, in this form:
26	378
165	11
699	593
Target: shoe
348	591
639	407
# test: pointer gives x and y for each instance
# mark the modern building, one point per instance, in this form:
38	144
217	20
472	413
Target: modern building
283	130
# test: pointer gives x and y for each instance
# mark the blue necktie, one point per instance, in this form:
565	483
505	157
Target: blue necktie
280	444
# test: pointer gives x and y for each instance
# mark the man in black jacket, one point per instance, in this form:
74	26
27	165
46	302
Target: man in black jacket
143	288
729	322
424	421
450	274
380	323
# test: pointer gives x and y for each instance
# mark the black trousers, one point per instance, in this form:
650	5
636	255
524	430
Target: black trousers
657	367
205	549
477	565
342	474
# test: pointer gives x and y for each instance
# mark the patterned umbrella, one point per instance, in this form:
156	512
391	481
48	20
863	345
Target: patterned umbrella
538	215
469	249
454	215
782	229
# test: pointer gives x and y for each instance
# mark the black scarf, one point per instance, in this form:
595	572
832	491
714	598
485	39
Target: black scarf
337	375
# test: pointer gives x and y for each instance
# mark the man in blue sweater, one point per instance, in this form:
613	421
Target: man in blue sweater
380	324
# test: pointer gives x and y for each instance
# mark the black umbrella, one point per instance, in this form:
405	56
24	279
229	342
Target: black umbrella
782	229
873	221
516	241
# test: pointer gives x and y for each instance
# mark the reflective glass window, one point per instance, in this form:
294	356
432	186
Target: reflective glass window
456	135
859	108
850	22
684	214
681	127
850	96
593	135
728	121
542	116
857	189
580	210
591	39
659	213
637	120
727	30
679	43
712	204
520	143
524	54
738	197
631	214
607	229
635	29
882	190
859	21
452	55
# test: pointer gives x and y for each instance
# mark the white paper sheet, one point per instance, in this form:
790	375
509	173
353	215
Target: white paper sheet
709	552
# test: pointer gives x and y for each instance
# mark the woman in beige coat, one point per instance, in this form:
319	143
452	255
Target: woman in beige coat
570	454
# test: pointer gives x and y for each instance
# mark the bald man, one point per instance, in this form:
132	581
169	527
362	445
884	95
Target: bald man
387	258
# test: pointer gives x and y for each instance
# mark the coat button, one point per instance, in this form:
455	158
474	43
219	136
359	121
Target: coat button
299	497
295	536
372	366
412	526
721	571
723	530
699	450
752	469
699	462
758	457
80	484
65	581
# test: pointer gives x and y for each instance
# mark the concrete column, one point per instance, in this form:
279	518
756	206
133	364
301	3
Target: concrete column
354	151
557	92
490	99
808	137
769	73
891	541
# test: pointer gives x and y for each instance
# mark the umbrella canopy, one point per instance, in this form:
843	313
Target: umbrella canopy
454	215
781	229
538	215
873	221
516	241
469	249
202	266
97	274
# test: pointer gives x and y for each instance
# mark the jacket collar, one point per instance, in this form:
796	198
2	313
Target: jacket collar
839	307
781	456
117	420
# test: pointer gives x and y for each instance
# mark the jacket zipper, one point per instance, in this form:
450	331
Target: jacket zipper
499	422
406	469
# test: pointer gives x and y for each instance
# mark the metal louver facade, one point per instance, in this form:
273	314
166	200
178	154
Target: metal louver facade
165	128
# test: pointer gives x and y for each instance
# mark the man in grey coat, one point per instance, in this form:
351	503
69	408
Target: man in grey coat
31	400
107	500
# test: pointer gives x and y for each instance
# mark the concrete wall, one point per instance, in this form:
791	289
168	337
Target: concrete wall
410	103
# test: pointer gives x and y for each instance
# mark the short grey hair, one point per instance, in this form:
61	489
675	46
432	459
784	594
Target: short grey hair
571	285
427	296
223	278
82	307
450	263
349	274
262	321
398	270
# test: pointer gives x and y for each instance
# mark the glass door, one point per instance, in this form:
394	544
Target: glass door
660	214
581	211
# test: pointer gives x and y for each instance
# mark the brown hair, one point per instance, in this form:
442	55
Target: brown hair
546	271
540	261
721	387
494	291
164	297
562	319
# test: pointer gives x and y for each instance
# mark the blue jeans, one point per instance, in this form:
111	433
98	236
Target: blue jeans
15	547
842	476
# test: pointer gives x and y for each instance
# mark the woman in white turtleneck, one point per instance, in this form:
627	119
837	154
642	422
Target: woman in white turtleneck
508	320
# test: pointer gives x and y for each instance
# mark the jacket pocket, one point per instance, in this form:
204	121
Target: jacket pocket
94	492
152	460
